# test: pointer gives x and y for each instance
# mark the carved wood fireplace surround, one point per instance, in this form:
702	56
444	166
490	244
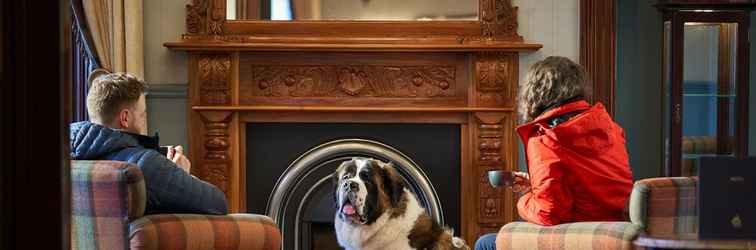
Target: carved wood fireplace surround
452	72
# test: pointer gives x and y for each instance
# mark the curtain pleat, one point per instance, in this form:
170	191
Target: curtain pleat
117	32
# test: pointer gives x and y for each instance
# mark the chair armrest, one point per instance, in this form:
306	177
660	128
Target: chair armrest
195	231
578	235
665	207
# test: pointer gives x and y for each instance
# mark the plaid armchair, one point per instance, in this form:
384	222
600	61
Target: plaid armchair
659	207
108	202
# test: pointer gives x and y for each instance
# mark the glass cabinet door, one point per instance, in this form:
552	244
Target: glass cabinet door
709	91
705	97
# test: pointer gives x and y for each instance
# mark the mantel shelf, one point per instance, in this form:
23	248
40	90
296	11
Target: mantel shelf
406	46
352	109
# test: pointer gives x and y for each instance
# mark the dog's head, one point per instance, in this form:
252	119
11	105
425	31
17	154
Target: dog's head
365	188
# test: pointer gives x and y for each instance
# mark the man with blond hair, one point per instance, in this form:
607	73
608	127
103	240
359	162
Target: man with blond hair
117	130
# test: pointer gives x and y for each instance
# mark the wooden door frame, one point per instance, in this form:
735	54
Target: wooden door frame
598	35
34	177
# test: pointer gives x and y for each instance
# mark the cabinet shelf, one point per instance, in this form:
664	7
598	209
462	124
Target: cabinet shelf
710	95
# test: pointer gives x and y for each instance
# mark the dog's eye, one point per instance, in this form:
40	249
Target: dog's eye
364	175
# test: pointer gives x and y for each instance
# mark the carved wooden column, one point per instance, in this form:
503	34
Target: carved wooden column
493	136
214	158
496	149
216	161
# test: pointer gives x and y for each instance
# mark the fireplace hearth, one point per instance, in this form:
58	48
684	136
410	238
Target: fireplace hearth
304	156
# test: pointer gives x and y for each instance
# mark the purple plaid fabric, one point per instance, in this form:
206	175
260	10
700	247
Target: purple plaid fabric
108	202
105	196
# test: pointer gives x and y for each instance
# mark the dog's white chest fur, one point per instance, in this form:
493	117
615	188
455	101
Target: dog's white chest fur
383	234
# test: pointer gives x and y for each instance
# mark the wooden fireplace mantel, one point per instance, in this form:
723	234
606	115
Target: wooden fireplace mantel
462	73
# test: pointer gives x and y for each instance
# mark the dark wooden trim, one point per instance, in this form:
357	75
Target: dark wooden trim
743	84
676	60
598	48
35	175
724	137
353	45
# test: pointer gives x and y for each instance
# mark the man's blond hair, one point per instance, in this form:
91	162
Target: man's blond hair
110	93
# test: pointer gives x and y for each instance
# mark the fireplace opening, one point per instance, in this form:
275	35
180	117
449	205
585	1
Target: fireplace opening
289	167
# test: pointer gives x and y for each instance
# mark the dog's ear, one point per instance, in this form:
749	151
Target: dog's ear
392	183
335	180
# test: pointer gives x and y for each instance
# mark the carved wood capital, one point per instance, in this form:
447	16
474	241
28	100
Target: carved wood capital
205	17
499	20
214	75
215	160
496	78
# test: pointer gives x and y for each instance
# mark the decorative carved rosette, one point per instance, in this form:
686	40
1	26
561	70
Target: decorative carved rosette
215	158
350	81
495	72
214	73
499	20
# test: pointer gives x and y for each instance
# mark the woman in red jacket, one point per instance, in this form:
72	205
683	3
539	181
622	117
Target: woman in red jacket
578	166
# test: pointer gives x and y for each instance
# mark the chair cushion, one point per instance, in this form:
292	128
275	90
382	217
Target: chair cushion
579	235
194	231
105	196
665	207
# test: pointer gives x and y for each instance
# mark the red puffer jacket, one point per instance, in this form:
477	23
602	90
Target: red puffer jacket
579	170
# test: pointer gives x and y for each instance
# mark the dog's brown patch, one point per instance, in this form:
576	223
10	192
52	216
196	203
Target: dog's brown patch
425	234
400	209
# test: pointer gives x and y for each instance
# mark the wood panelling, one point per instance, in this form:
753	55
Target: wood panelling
357	72
597	48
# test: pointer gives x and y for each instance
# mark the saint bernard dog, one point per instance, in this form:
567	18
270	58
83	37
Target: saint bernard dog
376	211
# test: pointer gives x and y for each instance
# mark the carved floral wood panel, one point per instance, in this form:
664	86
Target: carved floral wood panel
205	17
496	77
214	73
499	20
349	81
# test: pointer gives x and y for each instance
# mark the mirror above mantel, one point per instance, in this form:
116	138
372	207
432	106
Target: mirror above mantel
460	26
352	10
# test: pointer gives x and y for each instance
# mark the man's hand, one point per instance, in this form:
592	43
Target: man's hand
521	182
176	155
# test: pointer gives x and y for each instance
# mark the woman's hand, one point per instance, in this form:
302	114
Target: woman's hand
521	182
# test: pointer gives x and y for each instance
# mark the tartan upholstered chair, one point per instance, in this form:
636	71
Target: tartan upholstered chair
659	207
108	202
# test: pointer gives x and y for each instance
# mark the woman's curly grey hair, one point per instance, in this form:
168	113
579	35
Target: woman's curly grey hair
550	82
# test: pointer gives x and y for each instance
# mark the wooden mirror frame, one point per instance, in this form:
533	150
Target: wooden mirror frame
496	30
